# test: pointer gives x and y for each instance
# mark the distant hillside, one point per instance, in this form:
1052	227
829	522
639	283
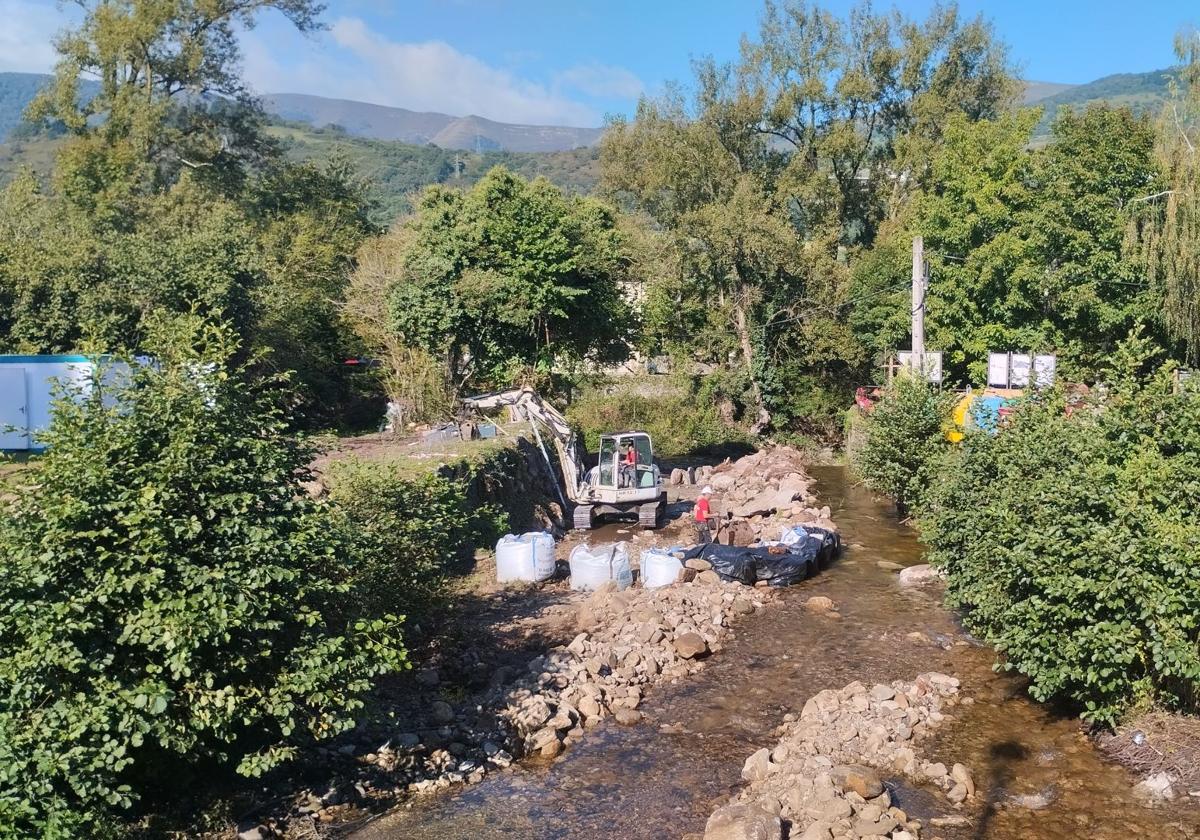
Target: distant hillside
393	171
1143	92
17	90
359	119
470	133
1033	91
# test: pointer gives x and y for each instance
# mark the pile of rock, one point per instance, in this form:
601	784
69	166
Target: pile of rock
628	640
825	776
683	477
760	494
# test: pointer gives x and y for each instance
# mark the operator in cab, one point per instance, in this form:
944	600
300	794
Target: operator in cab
703	515
629	466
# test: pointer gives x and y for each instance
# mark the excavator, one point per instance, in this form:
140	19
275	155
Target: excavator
612	488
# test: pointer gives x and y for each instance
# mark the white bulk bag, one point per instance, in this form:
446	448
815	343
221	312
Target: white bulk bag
528	557
591	568
659	568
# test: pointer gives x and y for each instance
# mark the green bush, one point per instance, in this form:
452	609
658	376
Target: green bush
679	423
1071	543
170	608
904	441
407	531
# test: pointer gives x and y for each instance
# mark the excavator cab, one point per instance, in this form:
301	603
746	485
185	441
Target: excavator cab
625	481
616	472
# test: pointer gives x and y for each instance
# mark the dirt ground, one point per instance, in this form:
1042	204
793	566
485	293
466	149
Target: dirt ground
1158	742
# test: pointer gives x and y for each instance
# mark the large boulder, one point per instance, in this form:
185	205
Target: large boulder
743	822
862	780
691	645
758	766
919	575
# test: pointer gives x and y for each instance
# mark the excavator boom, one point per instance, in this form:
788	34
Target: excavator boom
527	404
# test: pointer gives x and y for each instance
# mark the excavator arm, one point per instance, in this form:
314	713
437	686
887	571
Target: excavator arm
527	404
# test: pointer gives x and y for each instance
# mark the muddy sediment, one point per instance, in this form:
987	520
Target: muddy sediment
1035	772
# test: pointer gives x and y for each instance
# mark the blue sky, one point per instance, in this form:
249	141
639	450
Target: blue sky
573	61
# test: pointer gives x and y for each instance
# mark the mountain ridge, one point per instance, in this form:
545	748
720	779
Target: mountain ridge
469	133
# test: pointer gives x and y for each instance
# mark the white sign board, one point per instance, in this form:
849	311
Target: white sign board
998	370
1020	370
1043	371
933	364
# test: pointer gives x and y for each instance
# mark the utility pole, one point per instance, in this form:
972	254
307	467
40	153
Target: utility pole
918	305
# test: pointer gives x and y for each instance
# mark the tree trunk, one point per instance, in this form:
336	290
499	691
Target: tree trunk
742	328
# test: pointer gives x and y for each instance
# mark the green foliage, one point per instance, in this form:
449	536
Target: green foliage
680	422
170	98
905	442
407	532
1070	541
172	605
273	263
509	280
309	222
1164	230
1025	246
67	285
781	168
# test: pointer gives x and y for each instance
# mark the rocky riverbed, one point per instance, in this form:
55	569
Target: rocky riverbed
1036	774
825	776
603	651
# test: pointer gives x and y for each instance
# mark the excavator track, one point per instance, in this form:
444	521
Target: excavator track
582	518
650	515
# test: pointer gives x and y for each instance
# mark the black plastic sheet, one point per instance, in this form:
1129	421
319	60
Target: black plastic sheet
777	565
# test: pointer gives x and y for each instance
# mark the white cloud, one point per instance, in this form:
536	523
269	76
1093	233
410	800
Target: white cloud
435	76
27	34
353	62
602	80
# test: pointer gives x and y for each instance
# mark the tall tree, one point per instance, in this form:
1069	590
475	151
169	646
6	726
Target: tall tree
170	96
1165	224
1025	246
509	281
788	160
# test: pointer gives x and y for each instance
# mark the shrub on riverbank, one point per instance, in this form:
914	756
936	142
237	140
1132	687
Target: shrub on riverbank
171	607
1070	542
903	441
681	419
408	532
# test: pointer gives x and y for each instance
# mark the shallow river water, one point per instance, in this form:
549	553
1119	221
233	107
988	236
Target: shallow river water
1035	770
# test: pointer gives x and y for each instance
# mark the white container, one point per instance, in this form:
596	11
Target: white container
659	568
528	557
543	553
592	568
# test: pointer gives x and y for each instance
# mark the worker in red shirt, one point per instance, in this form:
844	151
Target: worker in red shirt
629	466
702	515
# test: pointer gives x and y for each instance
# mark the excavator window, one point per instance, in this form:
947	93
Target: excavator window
608	462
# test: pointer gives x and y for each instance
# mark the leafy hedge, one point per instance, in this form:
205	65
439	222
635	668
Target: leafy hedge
171	606
1071	542
407	533
679	423
904	441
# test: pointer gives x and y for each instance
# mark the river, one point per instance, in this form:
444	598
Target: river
1035	769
